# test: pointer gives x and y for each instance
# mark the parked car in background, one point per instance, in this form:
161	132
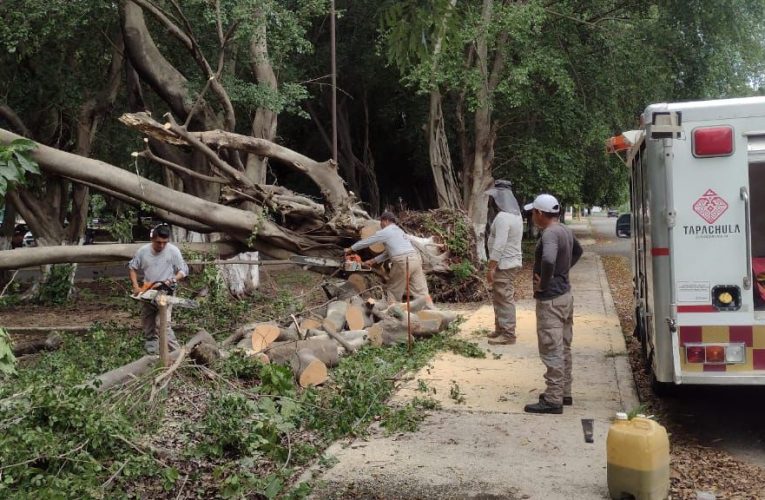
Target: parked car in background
612	212
17	240
623	226
29	240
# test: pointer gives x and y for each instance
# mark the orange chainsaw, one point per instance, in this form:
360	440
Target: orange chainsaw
151	290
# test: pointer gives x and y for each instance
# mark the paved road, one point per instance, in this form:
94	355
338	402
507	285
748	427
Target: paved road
604	231
730	418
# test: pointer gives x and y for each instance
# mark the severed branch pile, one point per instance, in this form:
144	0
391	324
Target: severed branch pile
452	270
313	343
309	345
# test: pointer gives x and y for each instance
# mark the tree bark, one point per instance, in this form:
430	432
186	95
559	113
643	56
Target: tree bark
264	123
269	237
478	172
447	193
29	257
323	174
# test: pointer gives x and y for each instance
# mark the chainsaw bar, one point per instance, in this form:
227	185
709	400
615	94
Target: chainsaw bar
151	296
350	266
315	261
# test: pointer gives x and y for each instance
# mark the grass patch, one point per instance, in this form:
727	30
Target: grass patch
408	417
246	432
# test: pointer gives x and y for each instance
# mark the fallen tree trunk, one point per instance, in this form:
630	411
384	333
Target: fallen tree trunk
122	374
48	343
31	330
239	224
323	174
38	256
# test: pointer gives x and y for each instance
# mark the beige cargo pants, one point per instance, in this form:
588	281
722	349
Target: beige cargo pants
555	321
418	285
150	325
503	299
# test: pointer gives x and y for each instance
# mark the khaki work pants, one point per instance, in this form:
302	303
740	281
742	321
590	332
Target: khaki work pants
150	325
418	285
555	321
503	298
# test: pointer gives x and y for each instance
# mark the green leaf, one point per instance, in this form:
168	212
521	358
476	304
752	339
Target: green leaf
274	487
22	145
26	164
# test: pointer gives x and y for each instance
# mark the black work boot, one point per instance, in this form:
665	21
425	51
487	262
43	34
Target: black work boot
567	400
543	407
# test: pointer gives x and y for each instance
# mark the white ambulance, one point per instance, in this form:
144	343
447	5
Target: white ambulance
698	231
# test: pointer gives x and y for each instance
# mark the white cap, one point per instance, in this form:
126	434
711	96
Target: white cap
544	203
621	416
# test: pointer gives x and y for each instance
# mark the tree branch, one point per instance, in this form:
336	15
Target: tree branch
209	153
165	215
323	174
179	168
14	120
164	19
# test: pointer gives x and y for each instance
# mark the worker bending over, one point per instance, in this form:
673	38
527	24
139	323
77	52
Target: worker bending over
399	249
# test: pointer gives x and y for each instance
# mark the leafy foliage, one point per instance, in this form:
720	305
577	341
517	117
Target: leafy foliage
15	164
57	286
7	359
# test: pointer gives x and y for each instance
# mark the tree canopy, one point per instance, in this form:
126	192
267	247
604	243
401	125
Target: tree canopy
527	90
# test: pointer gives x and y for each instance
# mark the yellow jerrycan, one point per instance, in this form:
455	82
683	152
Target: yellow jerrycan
637	453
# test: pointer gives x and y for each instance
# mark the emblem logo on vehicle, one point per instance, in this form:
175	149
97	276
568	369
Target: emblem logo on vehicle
710	206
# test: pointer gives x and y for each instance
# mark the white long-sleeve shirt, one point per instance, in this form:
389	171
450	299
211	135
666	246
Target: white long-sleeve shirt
394	238
505	240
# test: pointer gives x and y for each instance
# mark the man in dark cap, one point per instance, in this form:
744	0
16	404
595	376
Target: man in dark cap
504	259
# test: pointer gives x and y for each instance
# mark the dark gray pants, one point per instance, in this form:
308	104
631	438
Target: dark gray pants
150	325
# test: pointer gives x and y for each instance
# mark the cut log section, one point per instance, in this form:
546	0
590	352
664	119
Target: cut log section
263	336
309	324
289	333
323	348
368	230
308	369
335	319
355	317
375	334
445	317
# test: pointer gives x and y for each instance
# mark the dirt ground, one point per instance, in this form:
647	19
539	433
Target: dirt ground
95	301
106	300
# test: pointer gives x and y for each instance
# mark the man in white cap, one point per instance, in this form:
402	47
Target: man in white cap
504	259
557	251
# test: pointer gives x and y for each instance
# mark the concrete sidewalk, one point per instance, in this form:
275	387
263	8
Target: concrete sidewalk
487	447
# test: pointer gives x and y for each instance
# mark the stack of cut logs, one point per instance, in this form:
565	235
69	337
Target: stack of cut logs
312	343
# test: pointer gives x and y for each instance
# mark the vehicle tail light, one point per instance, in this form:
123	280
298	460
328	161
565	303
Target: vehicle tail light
715	354
712	141
695	354
735	353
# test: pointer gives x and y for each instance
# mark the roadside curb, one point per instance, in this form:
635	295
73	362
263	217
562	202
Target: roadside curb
625	381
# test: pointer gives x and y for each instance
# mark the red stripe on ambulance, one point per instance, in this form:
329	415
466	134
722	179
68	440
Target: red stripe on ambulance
707	308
